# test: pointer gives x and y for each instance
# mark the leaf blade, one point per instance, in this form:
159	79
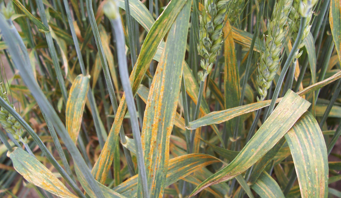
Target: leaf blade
162	103
309	152
279	122
335	24
35	172
75	105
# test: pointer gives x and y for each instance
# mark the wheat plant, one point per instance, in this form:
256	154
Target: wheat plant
170	98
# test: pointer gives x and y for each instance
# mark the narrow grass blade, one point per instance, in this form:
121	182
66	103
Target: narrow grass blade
178	168
281	176
148	50
274	128
244	185
216	92
335	24
267	187
227	154
309	43
35	172
162	103
96	70
124	74
309	152
58	145
231	78
192	89
105	38
196	181
52	50
36	21
75	105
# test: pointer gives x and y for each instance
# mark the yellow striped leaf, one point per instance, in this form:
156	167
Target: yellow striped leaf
148	50
107	192
143	92
267	187
288	111
162	103
75	105
178	168
36	21
335	24
36	173
231	78
105	38
309	152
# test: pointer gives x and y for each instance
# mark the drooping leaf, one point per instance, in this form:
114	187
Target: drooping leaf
309	152
35	172
75	105
288	111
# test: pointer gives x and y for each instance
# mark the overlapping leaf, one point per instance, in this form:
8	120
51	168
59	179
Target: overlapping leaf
149	48
274	128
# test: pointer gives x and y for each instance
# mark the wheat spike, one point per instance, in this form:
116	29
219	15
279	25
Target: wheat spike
301	8
8	122
212	19
270	58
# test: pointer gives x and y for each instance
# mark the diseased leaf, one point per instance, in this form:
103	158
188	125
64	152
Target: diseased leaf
309	43
309	152
335	112
162	103
335	24
178	168
192	89
225	115
231	78
75	105
107	192
110	58
143	92
36	21
35	172
148	50
288	111
267	187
